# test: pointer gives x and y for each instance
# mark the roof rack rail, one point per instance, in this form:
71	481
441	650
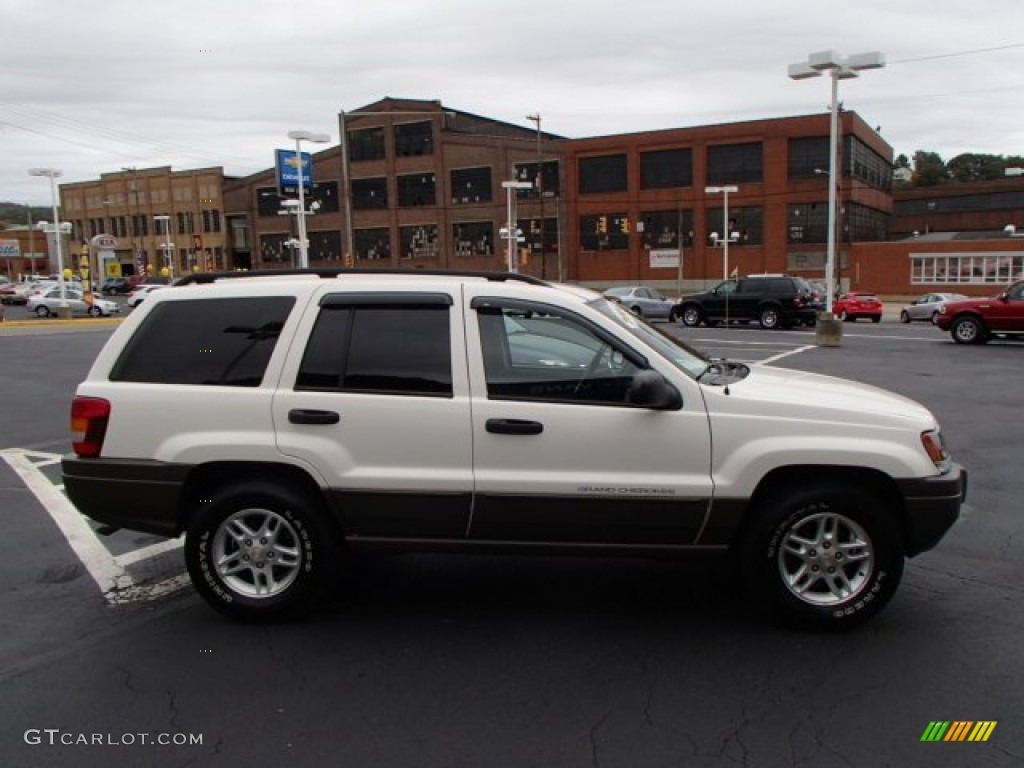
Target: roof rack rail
201	278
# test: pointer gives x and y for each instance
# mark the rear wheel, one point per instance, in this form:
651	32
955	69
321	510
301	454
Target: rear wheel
692	316
846	317
826	557
876	318
260	552
968	330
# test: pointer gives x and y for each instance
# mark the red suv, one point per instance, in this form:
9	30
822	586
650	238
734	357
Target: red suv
975	321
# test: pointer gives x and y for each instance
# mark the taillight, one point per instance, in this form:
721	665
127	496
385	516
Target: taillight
89	416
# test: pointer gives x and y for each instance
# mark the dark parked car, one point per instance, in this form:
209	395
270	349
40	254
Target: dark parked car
115	285
775	301
975	321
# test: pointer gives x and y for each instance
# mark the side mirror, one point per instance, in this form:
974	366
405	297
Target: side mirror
651	390
1004	296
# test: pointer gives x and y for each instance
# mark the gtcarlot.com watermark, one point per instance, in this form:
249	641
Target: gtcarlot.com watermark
54	737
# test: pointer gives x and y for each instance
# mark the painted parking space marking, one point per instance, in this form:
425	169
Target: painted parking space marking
118	578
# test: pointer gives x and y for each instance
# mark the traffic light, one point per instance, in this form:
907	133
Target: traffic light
602	225
624	225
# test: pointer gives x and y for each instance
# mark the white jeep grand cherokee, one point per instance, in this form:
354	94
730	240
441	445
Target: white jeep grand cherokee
281	420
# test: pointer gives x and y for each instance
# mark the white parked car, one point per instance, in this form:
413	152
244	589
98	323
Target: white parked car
140	292
292	419
928	306
48	304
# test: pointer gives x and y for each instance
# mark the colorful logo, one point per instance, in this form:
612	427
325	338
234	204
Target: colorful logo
958	730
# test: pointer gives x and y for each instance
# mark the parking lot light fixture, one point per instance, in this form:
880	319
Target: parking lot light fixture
167	246
299	137
838	68
727	236
63	309
511	230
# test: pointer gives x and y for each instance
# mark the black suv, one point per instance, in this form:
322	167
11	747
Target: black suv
773	300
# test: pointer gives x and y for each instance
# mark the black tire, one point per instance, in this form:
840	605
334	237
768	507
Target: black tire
244	528
799	535
935	317
637	311
968	330
769	317
692	316
95	312
43	311
904	316
876	318
846	318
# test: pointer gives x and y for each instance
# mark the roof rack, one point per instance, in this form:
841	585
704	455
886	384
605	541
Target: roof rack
201	278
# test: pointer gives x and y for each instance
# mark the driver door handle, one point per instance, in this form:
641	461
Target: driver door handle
514	427
310	416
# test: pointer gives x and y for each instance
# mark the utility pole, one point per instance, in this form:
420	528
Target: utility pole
540	196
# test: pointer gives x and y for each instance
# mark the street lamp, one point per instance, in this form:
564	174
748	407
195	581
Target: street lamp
511	231
167	246
318	138
63	309
838	68
728	236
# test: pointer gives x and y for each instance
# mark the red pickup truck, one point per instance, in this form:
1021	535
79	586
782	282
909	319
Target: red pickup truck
975	321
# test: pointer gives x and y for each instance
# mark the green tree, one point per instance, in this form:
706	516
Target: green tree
929	169
976	167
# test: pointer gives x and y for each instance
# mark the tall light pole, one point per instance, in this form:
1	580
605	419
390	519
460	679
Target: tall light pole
511	229
318	138
727	236
839	68
64	310
540	195
168	246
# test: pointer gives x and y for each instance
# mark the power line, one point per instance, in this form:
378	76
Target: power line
959	53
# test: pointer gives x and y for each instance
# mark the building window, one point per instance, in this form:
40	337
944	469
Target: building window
325	193
369	194
538	234
268	202
420	242
808	157
602	174
861	223
273	250
416	189
863	163
473	238
325	246
471	185
550	184
414	139
666	168
807	223
373	244
745	222
365	145
604	232
661	228
733	163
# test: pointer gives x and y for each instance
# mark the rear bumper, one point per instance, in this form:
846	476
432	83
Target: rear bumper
137	495
933	505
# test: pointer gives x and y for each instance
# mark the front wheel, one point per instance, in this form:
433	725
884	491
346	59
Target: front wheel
968	330
904	316
769	318
826	558
260	552
692	316
95	312
43	311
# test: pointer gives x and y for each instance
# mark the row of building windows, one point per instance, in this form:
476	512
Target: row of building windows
138	225
808	223
990	201
324	195
966	269
410	140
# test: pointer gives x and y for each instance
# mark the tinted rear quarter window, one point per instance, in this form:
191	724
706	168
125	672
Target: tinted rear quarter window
226	342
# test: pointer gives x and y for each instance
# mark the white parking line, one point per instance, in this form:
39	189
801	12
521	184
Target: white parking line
781	355
109	572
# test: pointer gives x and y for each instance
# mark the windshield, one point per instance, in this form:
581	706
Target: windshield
687	359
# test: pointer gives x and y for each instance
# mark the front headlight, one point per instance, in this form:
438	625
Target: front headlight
935	447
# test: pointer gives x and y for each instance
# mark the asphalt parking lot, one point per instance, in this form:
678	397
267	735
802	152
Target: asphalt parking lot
481	661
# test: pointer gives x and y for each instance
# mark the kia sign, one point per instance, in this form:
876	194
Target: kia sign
9	249
288	172
104	242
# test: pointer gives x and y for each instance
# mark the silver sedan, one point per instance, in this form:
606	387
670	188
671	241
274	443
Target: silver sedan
47	304
648	303
926	307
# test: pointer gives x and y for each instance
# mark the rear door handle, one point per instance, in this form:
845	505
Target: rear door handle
306	416
514	427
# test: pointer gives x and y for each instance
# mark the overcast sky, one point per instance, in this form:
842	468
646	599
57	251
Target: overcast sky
90	86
